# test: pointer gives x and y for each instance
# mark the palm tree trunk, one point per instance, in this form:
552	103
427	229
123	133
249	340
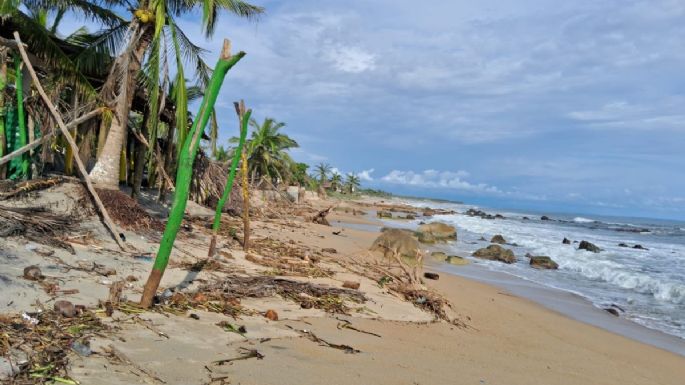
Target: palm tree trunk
105	173
23	133
69	154
3	141
139	160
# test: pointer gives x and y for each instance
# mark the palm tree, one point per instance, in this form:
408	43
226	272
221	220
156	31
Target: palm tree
322	170
336	181
149	36
352	183
266	150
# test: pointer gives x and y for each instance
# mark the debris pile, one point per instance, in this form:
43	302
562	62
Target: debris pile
127	213
36	224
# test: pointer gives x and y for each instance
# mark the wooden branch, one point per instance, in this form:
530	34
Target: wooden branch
28	147
65	131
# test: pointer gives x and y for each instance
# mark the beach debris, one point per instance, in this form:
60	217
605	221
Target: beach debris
25	187
320	217
229	327
498	239
543	262
127	213
271	314
496	253
338	232
36	224
313	337
117	356
585	245
65	308
566	241
345	324
351	285
436	232
248	353
384	214
33	273
433	276
38	344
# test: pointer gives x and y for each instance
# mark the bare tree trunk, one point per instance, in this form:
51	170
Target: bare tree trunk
105	173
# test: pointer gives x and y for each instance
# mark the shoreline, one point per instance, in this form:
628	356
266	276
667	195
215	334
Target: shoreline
563	302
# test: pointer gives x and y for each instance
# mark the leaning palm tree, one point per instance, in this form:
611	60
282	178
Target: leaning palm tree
352	183
151	34
267	148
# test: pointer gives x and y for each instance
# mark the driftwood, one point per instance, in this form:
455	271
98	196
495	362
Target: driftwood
30	186
65	131
320	217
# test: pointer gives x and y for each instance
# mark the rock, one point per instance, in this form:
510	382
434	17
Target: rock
498	239
457	260
544	218
585	245
496	253
194	316
82	348
640	247
623	245
433	276
543	262
480	213
396	241
131	278
566	241
329	250
351	285
410	216
526	218
499	216
612	311
384	214
65	308
436	232
271	314
428	213
105	271
439	256
482	239
33	273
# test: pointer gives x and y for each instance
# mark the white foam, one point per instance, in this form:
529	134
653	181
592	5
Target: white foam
583	220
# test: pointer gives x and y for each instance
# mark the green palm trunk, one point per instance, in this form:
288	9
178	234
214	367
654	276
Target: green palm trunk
21	118
229	183
3	140
185	171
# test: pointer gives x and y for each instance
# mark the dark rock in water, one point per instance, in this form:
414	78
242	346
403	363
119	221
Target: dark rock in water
480	213
585	245
499	216
433	276
640	247
482	239
566	241
543	262
410	216
496	253
498	239
612	311
33	273
65	308
428	213
526	218
623	245
544	218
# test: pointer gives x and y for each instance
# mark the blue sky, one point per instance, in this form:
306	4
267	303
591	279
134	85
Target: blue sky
534	104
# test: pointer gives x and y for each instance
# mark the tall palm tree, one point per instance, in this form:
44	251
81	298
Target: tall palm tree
336	181
149	36
322	170
352	183
266	150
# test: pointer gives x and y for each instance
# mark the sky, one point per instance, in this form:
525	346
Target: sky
575	106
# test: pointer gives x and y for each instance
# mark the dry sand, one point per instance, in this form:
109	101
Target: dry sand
508	340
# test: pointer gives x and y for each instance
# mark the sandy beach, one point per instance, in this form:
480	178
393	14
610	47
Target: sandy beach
500	338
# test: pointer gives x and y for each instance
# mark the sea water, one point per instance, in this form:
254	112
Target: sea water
649	285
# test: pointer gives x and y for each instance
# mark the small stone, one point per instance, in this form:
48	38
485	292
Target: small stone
433	276
131	278
65	308
194	316
351	285
81	348
33	273
271	314
498	239
566	241
612	311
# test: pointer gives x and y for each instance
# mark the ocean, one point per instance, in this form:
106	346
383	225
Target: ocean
648	285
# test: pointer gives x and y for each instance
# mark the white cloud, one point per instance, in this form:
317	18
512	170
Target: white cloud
365	175
438	179
351	59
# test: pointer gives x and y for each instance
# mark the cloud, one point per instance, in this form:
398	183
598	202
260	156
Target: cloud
351	59
365	175
437	179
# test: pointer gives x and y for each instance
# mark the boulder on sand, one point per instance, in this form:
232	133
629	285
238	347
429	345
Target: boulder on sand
496	253
436	232
439	256
585	245
498	239
396	241
384	214
457	260
543	262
